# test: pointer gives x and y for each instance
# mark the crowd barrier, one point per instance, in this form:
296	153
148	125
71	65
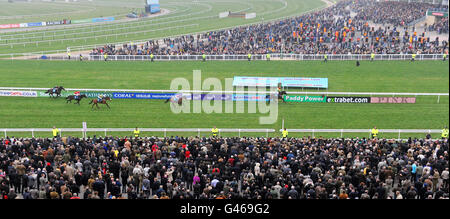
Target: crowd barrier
274	57
369	131
165	131
130	130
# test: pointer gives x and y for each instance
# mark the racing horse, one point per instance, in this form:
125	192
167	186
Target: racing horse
278	96
73	97
177	98
95	102
56	90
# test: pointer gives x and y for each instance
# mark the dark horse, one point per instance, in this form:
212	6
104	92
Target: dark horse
95	102
56	91
73	97
279	96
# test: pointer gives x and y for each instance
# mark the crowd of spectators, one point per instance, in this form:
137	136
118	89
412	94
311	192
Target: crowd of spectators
223	168
332	30
400	13
440	26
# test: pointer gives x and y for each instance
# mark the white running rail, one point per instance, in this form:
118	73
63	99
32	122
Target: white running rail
130	130
231	92
369	131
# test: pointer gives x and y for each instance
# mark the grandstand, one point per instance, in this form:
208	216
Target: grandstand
308	99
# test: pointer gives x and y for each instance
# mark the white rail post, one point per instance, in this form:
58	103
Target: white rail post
267	133
5	134
239	130
165	133
342	130
313	133
399	134
198	133
105	132
32	133
439	97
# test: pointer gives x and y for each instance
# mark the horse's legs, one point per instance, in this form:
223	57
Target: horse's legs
107	105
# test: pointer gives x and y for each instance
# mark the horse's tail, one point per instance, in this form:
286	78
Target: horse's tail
47	91
167	100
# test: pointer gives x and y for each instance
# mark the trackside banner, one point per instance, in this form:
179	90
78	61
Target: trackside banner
348	99
165	96
96	94
63	94
102	19
244	81
393	100
68	93
305	99
250	97
4	93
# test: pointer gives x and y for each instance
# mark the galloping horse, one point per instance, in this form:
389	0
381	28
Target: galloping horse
72	97
95	102
56	90
279	96
177	98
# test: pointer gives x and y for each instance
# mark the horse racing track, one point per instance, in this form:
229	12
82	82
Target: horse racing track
380	76
176	18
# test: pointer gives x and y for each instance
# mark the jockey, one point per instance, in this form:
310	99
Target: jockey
55	89
176	97
77	95
100	98
279	88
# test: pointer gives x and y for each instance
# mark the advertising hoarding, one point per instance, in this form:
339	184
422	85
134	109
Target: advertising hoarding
305	99
243	81
7	93
393	100
348	99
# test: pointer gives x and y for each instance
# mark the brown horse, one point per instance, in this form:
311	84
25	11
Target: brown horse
95	102
280	96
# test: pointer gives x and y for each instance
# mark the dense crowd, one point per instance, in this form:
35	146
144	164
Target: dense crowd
223	168
440	26
399	14
346	27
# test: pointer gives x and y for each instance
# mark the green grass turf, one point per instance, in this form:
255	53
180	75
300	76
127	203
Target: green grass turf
343	76
382	76
36	11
